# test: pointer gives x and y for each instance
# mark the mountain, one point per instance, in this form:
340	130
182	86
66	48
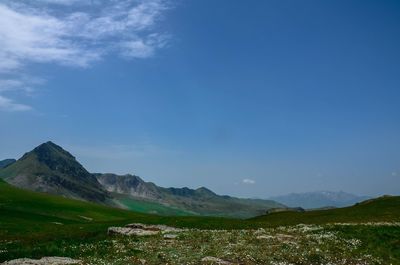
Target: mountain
6	162
201	201
128	184
49	168
319	199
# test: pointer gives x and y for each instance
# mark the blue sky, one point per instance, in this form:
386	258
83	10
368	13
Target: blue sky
248	98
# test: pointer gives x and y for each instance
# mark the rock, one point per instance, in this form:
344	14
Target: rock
137	229
142	226
265	237
131	231
162	228
170	236
213	260
43	261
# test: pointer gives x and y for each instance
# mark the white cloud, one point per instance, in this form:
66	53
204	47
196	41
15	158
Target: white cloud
7	104
142	48
35	32
248	181
63	2
31	37
23	83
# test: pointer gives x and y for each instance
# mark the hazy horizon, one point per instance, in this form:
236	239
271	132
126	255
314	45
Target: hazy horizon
250	99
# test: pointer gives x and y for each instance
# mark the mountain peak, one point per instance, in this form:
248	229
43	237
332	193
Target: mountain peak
50	168
204	190
50	146
50	154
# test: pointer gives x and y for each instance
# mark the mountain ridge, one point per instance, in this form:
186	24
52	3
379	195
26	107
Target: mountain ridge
201	200
319	199
51	169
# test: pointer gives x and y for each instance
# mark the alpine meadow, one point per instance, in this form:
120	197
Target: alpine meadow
155	132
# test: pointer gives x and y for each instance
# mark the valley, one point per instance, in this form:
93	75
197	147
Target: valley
37	225
51	206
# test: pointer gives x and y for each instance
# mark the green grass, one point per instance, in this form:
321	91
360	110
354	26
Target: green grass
382	241
378	210
143	206
35	224
26	214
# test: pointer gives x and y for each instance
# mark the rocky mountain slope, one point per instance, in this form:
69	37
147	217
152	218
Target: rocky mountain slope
49	168
198	201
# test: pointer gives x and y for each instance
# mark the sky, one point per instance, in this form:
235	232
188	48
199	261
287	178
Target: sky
248	98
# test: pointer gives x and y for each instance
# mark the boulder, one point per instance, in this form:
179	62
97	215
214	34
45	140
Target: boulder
131	231
170	236
137	229
214	260
43	261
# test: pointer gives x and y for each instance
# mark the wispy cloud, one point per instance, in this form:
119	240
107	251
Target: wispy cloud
36	32
7	104
64	2
248	181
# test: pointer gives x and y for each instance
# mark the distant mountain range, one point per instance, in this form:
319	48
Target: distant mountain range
6	162
199	201
319	199
49	168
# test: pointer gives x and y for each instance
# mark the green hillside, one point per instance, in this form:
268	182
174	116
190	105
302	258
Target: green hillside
149	207
383	209
37	224
32	214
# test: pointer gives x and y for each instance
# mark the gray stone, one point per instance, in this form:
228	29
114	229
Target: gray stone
170	236
214	260
137	229
43	261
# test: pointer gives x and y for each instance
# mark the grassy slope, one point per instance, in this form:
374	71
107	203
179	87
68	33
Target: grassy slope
143	206
24	212
21	211
27	218
377	210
